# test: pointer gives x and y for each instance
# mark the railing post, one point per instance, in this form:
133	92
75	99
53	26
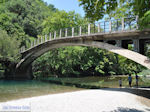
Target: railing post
94	27
73	32
89	29
99	28
122	24
41	39
55	35
50	36
80	31
104	26
137	21
45	38
110	27
34	42
31	44
66	32
60	33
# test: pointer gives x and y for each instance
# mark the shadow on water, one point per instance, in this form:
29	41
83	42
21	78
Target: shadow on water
122	109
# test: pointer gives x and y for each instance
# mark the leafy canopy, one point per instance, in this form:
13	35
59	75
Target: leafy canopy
97	9
9	47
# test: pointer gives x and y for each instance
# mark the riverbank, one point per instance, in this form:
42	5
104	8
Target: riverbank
84	101
95	82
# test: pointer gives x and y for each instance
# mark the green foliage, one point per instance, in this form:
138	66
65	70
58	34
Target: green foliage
145	72
62	19
99	82
82	61
123	9
8	46
127	66
23	18
3	1
141	7
145	20
96	9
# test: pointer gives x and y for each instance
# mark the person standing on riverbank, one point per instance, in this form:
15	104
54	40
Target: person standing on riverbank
130	80
120	82
137	79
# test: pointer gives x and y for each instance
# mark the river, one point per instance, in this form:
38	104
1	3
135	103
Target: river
12	90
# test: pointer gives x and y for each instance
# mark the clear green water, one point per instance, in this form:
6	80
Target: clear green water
12	90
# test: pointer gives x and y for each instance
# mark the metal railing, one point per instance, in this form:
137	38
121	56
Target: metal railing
118	25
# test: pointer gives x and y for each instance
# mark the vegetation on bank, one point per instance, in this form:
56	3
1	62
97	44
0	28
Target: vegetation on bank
145	72
22	21
81	62
99	82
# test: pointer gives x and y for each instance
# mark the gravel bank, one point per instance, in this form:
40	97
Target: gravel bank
83	101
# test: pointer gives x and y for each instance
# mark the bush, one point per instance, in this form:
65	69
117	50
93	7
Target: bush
145	72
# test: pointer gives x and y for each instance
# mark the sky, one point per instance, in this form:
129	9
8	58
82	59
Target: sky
67	5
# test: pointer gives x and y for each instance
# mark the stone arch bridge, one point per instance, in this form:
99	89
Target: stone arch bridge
112	35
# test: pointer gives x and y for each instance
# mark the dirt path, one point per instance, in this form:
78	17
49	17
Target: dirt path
83	101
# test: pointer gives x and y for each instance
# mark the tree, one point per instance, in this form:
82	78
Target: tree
141	7
122	10
23	18
29	14
96	9
9	47
145	20
62	19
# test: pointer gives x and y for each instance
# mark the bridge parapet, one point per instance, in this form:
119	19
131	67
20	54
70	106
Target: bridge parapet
110	26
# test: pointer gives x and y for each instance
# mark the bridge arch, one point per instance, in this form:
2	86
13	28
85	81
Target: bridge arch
23	68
